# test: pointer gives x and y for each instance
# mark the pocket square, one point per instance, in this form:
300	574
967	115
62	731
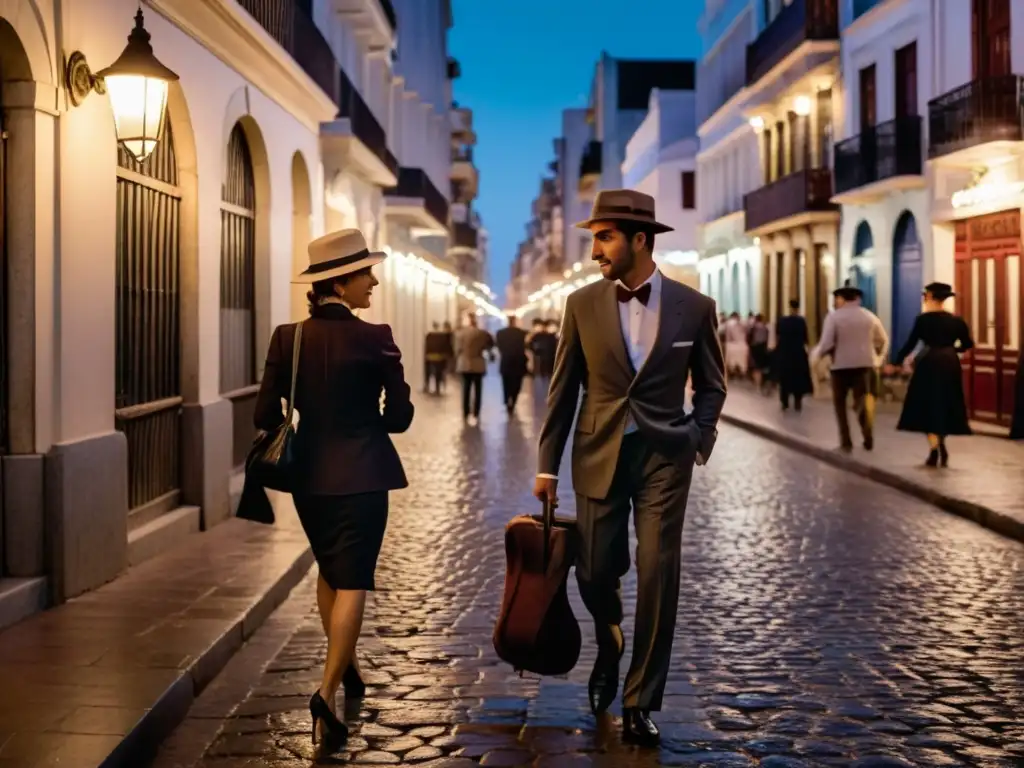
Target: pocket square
682	343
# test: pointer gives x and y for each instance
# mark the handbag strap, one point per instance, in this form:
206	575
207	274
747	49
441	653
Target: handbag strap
296	346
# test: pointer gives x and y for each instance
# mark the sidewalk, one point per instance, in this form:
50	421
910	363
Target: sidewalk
984	481
102	679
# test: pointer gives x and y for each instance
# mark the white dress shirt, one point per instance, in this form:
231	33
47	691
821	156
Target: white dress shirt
639	325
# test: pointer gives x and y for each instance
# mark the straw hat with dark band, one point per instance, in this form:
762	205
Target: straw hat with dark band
336	254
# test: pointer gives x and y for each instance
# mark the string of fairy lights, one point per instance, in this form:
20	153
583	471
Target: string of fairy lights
479	294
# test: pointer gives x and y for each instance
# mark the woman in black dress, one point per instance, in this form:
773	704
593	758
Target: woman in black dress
935	403
345	462
791	359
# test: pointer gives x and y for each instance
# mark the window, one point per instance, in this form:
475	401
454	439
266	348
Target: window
906	81
867	98
689	190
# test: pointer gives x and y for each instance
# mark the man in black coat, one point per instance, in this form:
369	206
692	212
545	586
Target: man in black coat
511	343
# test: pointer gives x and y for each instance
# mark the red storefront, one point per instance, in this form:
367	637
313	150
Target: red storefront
989	288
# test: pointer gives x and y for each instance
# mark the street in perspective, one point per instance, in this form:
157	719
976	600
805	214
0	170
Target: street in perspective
823	620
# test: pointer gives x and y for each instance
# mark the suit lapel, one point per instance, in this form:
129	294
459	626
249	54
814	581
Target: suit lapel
611	328
670	317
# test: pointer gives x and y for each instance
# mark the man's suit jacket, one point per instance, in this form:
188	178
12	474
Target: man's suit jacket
511	343
343	444
592	354
471	344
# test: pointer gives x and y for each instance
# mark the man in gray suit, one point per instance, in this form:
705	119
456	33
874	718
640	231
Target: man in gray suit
631	341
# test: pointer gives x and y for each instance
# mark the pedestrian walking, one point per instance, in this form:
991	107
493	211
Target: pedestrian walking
437	352
792	363
543	342
345	462
511	343
857	342
630	342
760	356
737	351
471	344
935	404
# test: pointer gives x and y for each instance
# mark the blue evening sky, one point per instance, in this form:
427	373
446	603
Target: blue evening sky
523	62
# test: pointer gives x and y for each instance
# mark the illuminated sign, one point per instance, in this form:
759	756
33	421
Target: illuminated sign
986	193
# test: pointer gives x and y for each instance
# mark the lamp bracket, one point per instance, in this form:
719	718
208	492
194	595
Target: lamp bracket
80	80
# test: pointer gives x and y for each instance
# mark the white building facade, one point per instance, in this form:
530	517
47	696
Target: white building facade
661	160
975	170
728	165
880	150
140	296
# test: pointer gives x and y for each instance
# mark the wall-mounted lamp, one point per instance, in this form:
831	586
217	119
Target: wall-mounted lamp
137	83
757	123
802	106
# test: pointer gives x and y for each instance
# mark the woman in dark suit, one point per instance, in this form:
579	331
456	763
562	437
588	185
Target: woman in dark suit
344	458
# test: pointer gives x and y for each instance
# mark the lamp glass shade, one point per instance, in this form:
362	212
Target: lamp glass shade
139	104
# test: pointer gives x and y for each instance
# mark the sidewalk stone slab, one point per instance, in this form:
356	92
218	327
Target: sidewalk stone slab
984	481
100	680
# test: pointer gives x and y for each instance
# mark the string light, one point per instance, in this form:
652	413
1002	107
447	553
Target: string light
478	294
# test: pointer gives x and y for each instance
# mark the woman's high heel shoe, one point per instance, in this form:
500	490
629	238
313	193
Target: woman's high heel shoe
933	458
334	731
353	684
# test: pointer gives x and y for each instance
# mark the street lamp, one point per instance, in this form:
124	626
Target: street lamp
137	83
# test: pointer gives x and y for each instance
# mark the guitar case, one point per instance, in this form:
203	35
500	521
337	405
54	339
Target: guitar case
536	630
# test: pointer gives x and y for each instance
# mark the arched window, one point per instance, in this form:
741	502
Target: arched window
238	268
147	329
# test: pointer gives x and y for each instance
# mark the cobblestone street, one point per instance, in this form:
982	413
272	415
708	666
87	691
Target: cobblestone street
824	620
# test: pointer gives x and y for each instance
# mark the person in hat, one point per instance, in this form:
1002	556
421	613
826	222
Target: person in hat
345	460
935	404
630	342
856	341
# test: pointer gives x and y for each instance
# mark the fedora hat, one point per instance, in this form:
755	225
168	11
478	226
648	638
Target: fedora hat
624	205
939	291
338	253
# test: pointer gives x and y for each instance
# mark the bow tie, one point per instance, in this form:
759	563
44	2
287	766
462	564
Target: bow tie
641	294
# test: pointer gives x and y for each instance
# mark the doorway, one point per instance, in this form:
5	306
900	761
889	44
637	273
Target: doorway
908	279
3	324
988	286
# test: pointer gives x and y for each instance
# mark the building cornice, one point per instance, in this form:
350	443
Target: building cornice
234	37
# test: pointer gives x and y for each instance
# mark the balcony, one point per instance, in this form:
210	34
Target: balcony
355	140
590	170
464	172
462	125
416	200
796	199
296	32
464	238
374	20
979	113
883	158
803	21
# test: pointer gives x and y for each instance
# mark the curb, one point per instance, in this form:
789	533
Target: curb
998	522
141	743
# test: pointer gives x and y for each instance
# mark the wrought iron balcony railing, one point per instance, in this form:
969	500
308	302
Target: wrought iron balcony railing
464	236
882	152
797	23
982	111
365	126
415	183
293	28
801	192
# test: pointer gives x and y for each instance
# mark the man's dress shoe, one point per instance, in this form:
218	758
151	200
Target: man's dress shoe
604	680
638	728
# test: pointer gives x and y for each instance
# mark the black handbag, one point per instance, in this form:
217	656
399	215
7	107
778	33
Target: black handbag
271	461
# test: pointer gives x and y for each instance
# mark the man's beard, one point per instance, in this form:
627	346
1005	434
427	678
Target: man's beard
623	267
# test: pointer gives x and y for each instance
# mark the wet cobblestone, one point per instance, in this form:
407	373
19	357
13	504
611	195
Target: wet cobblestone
824	621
